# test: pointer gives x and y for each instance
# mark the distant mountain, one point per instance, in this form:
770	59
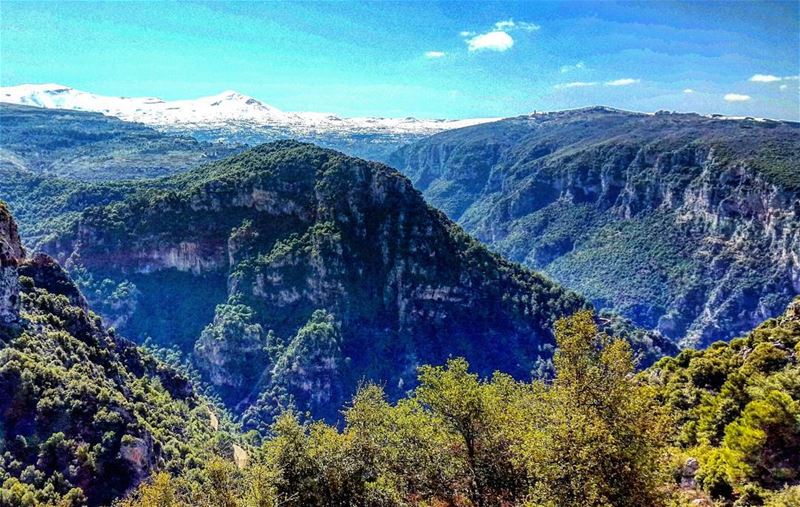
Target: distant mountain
93	147
291	273
235	118
684	223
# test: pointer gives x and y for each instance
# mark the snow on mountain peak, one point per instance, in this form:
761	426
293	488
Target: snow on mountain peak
229	109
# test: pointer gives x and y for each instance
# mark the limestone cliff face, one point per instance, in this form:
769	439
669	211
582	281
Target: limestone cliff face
11	254
686	224
276	234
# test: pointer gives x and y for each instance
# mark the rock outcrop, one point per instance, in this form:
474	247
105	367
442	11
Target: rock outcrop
11	254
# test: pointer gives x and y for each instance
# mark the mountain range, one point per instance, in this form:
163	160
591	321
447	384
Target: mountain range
292	273
235	118
263	289
90	419
94	147
684	223
601	200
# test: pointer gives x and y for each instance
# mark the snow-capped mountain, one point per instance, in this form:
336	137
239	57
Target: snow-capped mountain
234	117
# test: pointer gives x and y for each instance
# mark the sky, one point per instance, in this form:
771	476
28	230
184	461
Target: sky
425	59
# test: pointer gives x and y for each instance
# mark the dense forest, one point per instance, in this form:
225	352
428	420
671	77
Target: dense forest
92	415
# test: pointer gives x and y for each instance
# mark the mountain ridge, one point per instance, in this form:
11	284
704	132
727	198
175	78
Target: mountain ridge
236	118
89	146
301	250
620	205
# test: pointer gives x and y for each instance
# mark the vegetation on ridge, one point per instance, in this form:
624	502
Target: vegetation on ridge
233	261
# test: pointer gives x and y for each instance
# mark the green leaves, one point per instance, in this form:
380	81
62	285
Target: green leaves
737	410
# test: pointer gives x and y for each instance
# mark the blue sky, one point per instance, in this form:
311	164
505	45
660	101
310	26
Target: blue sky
447	59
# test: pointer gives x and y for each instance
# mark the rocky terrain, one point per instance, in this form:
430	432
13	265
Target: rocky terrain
684	223
292	273
85	415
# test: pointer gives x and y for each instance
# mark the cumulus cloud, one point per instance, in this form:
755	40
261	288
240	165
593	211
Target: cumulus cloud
622	82
736	97
688	90
434	54
764	78
576	84
491	41
497	38
570	68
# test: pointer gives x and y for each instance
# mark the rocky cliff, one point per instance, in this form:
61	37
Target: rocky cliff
11	253
84	415
244	255
686	224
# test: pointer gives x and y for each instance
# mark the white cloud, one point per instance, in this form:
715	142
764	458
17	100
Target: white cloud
622	82
764	78
497	38
504	25
569	68
791	78
688	90
434	54
576	84
784	87
736	97
492	41
509	25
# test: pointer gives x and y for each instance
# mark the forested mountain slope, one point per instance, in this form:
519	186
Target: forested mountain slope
293	272
708	428
84	415
684	223
89	416
92	147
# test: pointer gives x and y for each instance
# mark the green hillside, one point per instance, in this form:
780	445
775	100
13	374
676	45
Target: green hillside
684	223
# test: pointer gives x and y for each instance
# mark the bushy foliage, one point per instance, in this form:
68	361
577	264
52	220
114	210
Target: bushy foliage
594	437
737	406
84	415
